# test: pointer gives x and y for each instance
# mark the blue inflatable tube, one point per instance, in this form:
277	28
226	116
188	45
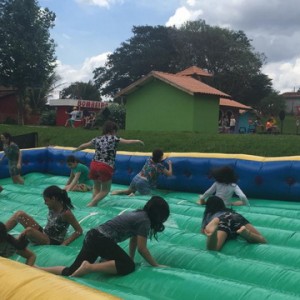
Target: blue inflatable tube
259	177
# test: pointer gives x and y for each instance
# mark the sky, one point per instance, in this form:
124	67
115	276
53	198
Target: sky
86	31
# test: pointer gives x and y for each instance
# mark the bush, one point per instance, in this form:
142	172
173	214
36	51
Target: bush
48	118
114	112
10	121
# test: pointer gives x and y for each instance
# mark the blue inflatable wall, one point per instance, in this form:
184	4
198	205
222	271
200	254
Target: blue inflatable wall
259	177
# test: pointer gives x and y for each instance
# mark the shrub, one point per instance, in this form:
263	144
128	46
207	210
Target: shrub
48	118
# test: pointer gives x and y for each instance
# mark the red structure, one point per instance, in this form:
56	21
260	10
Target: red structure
85	107
9	108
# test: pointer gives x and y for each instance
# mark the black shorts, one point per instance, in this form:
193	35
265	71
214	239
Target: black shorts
97	245
230	222
52	241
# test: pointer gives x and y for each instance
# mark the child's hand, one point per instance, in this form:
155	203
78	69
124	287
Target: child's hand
201	202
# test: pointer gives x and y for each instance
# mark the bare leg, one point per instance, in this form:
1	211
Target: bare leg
250	234
31	227
54	270
215	237
24	219
104	190
108	267
18	179
122	192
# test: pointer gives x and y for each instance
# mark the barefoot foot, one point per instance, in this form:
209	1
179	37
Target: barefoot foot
211	227
82	270
244	232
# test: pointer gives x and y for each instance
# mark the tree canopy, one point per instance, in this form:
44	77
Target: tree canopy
81	90
227	54
27	53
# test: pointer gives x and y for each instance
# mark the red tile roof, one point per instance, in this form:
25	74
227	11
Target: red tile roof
291	95
194	71
185	83
232	103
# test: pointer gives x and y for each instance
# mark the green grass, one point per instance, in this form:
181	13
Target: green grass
286	144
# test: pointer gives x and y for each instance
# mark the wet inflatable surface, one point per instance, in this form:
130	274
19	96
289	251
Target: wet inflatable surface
239	271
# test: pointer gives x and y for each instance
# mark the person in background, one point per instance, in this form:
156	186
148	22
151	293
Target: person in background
14	156
224	187
10	245
232	124
103	242
146	180
220	224
79	179
60	217
102	165
73	117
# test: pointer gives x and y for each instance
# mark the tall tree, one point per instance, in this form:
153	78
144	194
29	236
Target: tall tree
81	90
149	49
27	53
226	53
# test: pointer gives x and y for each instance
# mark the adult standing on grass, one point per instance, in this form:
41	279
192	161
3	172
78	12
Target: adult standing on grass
102	165
14	156
73	117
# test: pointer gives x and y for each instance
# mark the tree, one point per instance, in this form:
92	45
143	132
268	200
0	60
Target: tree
150	48
81	90
272	104
36	98
227	54
27	52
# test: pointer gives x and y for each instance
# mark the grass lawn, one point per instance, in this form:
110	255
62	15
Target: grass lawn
285	144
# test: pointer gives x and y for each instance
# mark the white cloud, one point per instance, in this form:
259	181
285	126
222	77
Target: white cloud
272	26
182	15
285	75
70	74
100	3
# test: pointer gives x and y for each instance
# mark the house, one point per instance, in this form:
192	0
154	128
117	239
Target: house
174	102
292	102
9	111
85	107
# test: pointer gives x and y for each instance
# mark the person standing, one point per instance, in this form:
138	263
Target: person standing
102	165
14	156
232	124
73	117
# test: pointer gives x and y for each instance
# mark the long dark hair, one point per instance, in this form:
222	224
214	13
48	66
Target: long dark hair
158	212
214	204
7	136
19	244
60	195
224	174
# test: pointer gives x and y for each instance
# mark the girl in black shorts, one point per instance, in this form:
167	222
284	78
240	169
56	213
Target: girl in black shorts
220	223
